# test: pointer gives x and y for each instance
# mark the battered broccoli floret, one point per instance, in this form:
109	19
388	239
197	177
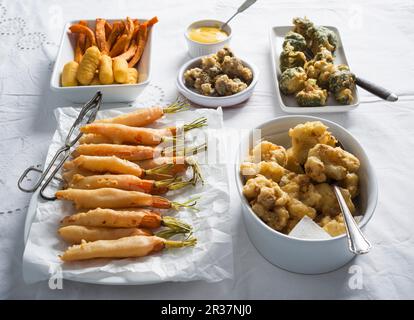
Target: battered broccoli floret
292	80
289	58
302	25
296	40
312	95
321	37
342	83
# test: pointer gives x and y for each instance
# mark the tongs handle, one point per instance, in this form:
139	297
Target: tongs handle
47	176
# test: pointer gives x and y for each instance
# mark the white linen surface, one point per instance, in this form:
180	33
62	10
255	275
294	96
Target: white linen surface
378	38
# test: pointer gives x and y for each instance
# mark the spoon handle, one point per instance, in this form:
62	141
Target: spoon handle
357	242
243	7
376	90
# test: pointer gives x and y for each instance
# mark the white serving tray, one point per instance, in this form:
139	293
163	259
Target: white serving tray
288	103
112	92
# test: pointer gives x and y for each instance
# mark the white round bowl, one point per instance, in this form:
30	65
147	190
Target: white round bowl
302	255
197	49
215	102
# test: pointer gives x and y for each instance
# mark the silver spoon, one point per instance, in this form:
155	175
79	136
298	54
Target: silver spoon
357	243
243	7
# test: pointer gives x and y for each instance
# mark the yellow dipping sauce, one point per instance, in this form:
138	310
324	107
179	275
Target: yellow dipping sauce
207	34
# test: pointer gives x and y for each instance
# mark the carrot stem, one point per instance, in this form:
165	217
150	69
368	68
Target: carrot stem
180	244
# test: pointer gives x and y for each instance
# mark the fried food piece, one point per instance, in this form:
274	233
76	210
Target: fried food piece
292	164
297	209
222	53
88	65
132	76
312	95
328	204
326	162
75	234
296	40
234	68
112	198
321	37
127	152
253	186
334	226
80	28
299	186
302	25
351	183
211	65
342	84
128	247
224	86
101	36
289	58
120	69
117	30
267	151
320	70
69	74
105	164
106	75
292	80
80	43
124	218
270	169
306	136
275	218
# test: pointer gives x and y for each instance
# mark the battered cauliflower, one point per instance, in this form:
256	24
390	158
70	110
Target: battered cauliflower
296	40
312	95
289	58
326	162
211	66
225	86
351	183
306	136
234	68
190	76
270	169
277	218
267	151
222	53
292	163
292	80
253	186
328	204
334	226
299	186
297	209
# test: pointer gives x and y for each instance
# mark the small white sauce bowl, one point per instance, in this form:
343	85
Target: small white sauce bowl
306	256
197	49
207	101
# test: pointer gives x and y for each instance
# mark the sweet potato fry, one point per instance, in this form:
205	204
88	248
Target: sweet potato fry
141	40
127	55
119	46
117	30
80	44
78	28
136	28
152	21
108	29
100	35
129	30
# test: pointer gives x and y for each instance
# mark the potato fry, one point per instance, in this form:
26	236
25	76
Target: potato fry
120	69
69	74
75	234
106	75
100	35
119	46
88	65
78	28
80	43
132	76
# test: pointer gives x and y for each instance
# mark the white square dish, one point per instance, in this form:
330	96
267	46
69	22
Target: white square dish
288	103
112	92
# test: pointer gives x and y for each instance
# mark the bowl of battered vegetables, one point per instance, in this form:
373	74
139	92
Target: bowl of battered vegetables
217	80
286	174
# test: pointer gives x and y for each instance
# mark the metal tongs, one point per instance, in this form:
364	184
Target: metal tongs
86	115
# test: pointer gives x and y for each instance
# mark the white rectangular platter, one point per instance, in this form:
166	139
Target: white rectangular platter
288	103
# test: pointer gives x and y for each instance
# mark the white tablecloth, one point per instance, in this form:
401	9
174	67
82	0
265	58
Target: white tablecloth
379	40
